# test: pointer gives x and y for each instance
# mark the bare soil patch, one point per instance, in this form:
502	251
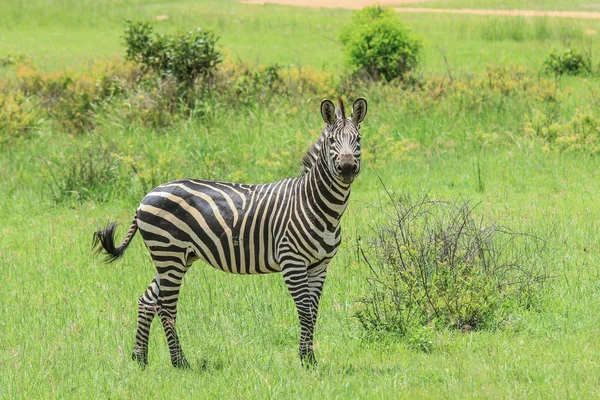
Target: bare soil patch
514	13
358	4
352	4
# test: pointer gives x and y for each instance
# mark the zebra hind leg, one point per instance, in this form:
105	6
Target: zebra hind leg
147	308
170	285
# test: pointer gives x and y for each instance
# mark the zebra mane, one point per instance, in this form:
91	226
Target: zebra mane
341	112
312	154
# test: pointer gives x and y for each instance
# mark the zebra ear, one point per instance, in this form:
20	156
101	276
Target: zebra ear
328	112
359	110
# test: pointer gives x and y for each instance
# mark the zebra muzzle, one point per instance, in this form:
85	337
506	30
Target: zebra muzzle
348	167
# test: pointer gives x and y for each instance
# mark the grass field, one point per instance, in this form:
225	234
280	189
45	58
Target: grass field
67	321
61	35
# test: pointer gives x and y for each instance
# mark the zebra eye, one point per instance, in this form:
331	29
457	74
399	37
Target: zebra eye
331	138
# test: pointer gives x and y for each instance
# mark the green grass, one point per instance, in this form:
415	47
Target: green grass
70	325
70	33
67	321
65	35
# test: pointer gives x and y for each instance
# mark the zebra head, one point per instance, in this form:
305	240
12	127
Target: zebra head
343	138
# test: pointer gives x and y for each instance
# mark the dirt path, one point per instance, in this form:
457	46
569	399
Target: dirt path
358	4
352	4
518	13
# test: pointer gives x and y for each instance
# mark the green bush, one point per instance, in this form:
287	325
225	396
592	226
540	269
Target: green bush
580	134
13	59
185	57
89	174
434	264
19	115
378	45
570	62
73	99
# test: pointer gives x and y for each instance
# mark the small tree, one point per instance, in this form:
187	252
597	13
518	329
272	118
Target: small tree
570	61
186	56
377	44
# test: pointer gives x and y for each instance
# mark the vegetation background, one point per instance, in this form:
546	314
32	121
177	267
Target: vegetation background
487	124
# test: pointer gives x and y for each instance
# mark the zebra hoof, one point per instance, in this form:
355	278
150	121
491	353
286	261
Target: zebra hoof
308	360
181	363
141	359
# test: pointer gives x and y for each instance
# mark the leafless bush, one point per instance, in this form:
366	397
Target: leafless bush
437	263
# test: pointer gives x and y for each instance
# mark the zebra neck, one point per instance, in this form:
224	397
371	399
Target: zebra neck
327	196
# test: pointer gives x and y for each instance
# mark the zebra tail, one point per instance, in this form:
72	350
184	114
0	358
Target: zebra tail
104	239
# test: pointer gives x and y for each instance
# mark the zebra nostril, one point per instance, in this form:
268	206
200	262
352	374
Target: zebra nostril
355	169
347	164
346	169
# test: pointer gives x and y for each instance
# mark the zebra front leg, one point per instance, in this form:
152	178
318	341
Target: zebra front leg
296	280
316	280
167	300
147	308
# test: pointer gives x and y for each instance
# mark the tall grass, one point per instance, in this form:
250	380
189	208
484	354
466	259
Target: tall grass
520	29
72	315
475	132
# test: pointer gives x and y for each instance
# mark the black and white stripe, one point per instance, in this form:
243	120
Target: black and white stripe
290	226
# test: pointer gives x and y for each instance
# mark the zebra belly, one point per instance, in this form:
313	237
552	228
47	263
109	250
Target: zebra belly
197	226
237	252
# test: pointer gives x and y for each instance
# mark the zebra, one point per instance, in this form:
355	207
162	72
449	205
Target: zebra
291	226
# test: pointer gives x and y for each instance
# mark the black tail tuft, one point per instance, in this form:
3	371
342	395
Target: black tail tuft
105	239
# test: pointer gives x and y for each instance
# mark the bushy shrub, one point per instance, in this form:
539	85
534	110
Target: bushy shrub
71	99
251	85
570	62
117	93
13	59
186	56
580	134
91	173
433	263
248	83
154	103
378	45
19	115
